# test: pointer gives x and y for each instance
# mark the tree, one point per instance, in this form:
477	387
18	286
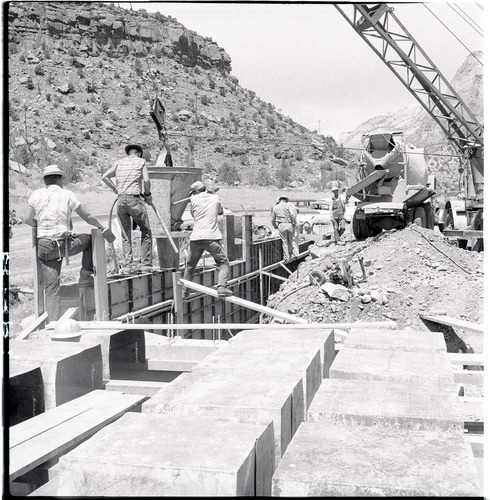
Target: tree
228	173
284	174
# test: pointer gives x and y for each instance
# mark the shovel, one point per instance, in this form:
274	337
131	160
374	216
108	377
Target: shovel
167	232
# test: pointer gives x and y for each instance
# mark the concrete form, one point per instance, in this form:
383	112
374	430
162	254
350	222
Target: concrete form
303	359
402	340
324	460
393	365
323	338
25	392
397	405
159	455
237	395
68	369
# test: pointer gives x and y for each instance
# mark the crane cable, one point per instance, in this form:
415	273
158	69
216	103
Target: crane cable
471	23
469	51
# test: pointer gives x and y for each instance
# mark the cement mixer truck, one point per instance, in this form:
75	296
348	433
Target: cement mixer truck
394	187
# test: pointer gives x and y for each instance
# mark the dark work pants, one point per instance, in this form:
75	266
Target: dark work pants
128	206
51	257
338	228
215	248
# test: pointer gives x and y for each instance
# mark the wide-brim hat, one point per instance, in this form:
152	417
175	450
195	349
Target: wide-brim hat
133	146
282	198
53	170
197	186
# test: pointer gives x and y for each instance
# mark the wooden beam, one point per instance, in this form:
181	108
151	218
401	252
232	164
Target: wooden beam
38	278
109	325
463	233
38	322
70	313
179	313
454	322
245	303
274	276
229	236
474	359
100	276
469	377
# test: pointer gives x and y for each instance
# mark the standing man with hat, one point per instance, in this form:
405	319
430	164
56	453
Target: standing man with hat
206	236
50	210
130	173
284	219
338	212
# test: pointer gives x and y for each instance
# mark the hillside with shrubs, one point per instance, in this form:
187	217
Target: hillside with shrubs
82	77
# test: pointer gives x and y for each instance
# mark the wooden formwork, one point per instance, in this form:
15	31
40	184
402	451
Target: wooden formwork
256	271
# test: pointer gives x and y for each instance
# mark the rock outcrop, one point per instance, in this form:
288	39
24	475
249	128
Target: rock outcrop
94	28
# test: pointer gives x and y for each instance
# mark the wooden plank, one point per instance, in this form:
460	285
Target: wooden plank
171	365
49	489
463	233
45	421
38	322
475	359
454	322
100	275
58	440
469	377
38	277
70	313
245	303
229	236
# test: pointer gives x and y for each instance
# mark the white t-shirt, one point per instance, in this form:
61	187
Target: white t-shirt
205	208
53	207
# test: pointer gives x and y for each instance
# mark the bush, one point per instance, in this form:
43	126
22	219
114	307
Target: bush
71	88
228	173
205	100
222	91
39	70
30	84
298	155
48	97
264	177
80	73
212	83
127	91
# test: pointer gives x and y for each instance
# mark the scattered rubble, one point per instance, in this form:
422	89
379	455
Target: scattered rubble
406	273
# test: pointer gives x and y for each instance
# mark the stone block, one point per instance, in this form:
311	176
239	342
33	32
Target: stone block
323	338
402	340
429	367
68	369
235	394
326	460
159	455
397	405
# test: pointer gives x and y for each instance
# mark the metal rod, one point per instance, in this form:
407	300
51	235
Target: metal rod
261	276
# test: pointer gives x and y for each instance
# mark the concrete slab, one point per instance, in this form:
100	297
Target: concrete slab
68	369
402	340
429	367
159	455
323	338
25	392
325	460
235	394
303	359
145	388
160	347
384	404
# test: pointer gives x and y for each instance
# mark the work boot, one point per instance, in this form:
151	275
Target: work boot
224	292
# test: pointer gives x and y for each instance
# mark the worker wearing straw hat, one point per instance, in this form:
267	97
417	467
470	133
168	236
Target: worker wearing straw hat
284	220
50	209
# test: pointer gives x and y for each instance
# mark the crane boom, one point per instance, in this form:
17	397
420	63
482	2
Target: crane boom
392	42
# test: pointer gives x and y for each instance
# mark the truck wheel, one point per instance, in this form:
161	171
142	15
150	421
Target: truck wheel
420	217
360	227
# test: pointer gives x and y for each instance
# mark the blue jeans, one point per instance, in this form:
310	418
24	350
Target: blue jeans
128	206
215	248
50	253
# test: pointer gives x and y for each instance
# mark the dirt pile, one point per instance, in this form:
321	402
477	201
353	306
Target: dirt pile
407	272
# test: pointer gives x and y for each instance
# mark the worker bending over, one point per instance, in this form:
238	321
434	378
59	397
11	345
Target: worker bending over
206	236
284	219
130	173
50	210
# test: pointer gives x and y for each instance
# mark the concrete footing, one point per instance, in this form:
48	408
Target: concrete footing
68	369
159	455
384	404
325	460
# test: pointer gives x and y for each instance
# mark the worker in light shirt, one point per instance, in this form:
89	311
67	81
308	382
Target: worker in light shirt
206	236
284	219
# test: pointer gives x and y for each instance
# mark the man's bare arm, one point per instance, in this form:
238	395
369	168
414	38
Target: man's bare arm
29	217
88	217
106	178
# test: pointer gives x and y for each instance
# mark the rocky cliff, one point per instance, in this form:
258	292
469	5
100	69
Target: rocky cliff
92	28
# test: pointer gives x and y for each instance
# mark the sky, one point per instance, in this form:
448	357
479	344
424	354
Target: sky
309	62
